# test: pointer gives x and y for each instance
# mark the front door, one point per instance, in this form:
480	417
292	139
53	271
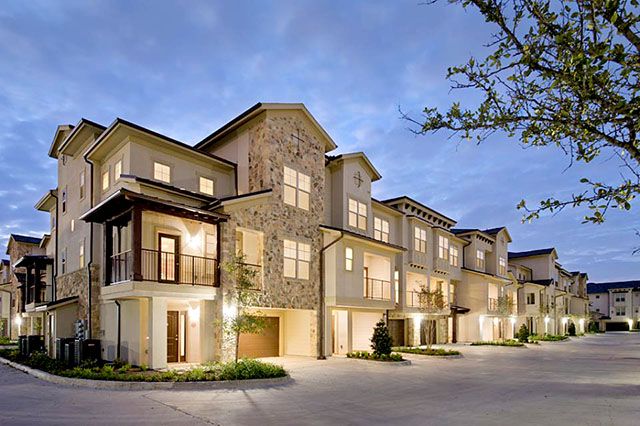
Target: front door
173	336
168	264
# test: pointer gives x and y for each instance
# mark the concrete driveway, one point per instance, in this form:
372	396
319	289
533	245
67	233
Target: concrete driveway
593	380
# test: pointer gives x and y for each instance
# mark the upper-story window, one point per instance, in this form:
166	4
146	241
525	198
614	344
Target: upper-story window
105	180
81	254
73	225
620	297
161	172
348	258
443	247
502	267
480	259
64	200
297	187
296	259
621	311
206	185
420	239
531	298
83	184
357	214
117	170
396	285
454	258
380	229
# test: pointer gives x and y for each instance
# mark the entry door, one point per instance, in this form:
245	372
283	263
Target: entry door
173	336
169	265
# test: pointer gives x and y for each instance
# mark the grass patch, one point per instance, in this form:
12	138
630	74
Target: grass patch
215	371
373	357
7	341
430	351
512	343
548	338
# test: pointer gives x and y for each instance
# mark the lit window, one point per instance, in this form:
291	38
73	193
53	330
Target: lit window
105	180
396	285
480	259
453	256
420	239
206	185
117	170
348	259
73	225
381	229
162	172
82	254
83	184
296	259
443	247
531	298
357	214
502	267
297	187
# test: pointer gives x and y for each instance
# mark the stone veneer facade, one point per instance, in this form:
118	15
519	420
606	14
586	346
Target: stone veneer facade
75	284
272	146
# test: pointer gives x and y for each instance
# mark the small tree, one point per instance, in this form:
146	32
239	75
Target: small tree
240	297
381	339
572	329
523	333
505	308
431	302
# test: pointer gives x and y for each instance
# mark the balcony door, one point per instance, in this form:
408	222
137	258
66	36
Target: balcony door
169	265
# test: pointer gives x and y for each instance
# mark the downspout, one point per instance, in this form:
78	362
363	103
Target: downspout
54	290
90	264
117	302
321	319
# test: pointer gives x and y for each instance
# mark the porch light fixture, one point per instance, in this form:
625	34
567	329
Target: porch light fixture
546	320
565	320
18	320
630	321
513	320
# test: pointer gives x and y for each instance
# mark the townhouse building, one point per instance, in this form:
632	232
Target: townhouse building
615	305
5	298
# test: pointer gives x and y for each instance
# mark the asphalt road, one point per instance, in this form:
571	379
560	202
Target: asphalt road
593	380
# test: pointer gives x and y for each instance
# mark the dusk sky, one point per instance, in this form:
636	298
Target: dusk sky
185	68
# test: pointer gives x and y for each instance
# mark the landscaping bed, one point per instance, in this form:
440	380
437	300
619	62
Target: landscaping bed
244	369
5	341
548	338
373	357
427	351
511	343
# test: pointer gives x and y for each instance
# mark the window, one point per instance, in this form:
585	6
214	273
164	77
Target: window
297	187
206	185
117	170
443	247
296	259
210	246
348	258
105	180
81	257
64	200
357	214
621	311
73	225
63	260
597	296
162	172
480	259
502	267
83	184
396	284
531	298
620	297
381	229
453	256
420	239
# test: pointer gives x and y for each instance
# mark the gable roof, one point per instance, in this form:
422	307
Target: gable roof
406	199
606	286
25	239
61	134
373	173
253	112
77	130
529	253
495	231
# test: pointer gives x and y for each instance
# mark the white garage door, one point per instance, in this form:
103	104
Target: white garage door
363	325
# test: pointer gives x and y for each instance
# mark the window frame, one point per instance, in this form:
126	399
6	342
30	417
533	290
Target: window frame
301	188
454	255
443	247
532	300
502	266
379	232
480	259
158	172
360	215
83	184
301	259
348	259
117	170
104	184
81	258
419	239
210	180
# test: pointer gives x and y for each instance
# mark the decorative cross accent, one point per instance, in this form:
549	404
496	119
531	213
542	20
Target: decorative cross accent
297	138
357	178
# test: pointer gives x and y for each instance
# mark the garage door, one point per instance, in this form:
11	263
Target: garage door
363	325
617	326
396	329
263	344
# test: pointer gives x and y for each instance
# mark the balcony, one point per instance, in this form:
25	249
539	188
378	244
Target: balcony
413	300
164	267
492	304
375	289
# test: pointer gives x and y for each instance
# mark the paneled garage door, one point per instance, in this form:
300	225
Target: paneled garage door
265	344
363	325
617	326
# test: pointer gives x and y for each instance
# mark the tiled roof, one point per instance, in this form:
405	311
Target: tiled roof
26	239
606	286
516	254
493	231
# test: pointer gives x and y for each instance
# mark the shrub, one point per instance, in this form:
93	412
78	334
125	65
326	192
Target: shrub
593	327
513	343
7	341
373	357
523	334
572	329
427	351
381	339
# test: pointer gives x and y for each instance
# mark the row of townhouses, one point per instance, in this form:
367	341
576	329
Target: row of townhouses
616	305
141	224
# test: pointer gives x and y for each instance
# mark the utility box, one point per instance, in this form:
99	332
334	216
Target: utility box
34	344
69	352
60	342
87	350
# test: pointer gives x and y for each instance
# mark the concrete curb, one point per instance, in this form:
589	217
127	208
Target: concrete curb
143	386
403	363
